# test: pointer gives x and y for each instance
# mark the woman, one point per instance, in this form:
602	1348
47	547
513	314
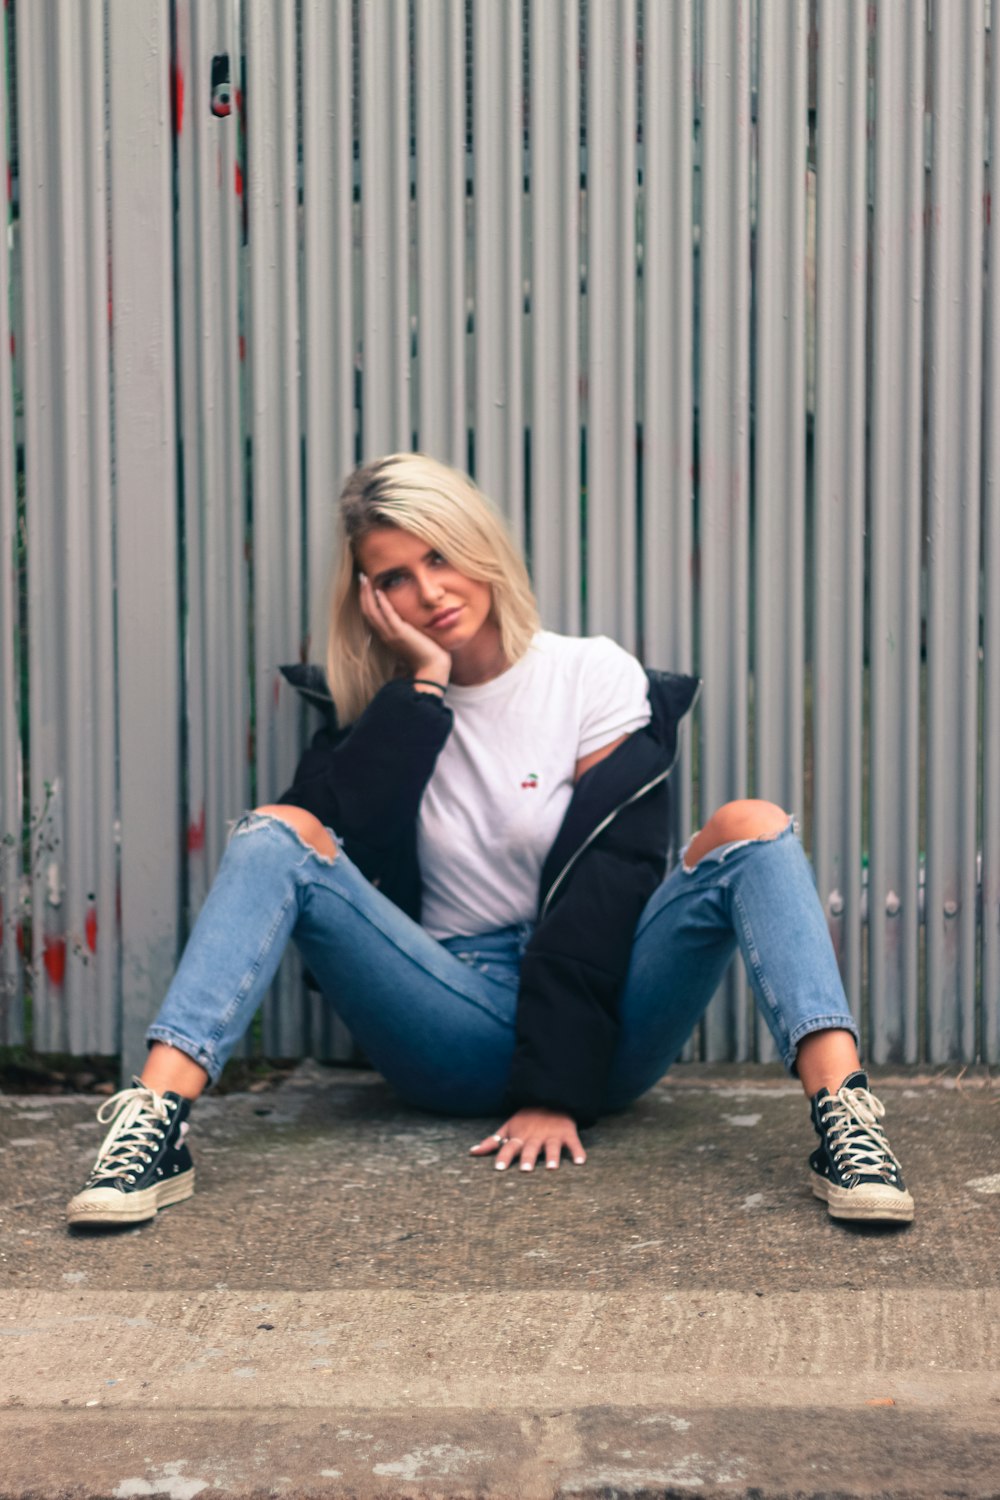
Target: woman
473	871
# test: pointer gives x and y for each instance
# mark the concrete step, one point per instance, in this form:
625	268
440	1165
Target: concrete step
526	1394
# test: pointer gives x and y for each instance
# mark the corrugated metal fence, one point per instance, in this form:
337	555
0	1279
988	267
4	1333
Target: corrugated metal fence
706	293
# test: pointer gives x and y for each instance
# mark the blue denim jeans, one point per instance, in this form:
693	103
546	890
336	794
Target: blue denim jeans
437	1018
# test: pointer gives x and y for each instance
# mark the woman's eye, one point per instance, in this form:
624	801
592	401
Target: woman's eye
391	580
438	561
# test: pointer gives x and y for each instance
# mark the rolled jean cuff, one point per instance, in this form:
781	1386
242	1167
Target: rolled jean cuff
818	1023
200	1055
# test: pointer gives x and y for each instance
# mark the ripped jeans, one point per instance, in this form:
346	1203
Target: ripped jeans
437	1018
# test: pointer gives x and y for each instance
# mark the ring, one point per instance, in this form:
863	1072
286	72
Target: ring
500	1139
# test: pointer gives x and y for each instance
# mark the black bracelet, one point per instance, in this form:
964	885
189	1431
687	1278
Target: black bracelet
426	682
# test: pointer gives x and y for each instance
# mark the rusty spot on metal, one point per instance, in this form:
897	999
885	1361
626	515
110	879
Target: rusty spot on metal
90	928
178	92
196	834
54	958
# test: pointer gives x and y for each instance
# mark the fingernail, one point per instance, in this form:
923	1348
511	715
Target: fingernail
579	1160
526	1166
551	1165
501	1166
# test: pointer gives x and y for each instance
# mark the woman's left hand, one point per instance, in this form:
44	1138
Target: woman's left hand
532	1133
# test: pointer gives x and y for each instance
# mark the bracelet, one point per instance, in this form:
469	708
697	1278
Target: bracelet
427	682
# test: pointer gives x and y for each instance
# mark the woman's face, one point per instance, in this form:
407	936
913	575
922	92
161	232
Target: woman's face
423	587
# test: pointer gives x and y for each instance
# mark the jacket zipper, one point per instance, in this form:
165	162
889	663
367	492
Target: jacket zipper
612	815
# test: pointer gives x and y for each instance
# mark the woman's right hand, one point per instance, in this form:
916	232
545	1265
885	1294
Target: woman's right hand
421	656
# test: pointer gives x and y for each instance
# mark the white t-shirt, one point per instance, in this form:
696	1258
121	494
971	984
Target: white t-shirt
503	781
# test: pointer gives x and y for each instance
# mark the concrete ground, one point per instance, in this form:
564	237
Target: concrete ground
351	1306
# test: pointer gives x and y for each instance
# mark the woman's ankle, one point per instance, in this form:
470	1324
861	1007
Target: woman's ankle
168	1070
824	1059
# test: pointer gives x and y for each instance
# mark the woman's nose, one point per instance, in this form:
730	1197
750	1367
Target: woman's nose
431	588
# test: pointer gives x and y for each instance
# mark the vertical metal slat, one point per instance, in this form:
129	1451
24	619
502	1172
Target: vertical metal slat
724	422
840	479
497	248
67	438
954	445
666	339
612	573
991	602
896	496
439	74
554	97
145	509
273	326
780	434
386	420
11	972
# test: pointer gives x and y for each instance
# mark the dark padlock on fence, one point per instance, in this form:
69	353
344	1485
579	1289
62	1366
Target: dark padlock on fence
222	86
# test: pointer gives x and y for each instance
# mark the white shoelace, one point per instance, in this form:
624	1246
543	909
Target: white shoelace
138	1116
855	1136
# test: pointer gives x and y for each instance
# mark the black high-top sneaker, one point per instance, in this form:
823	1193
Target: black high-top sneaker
143	1163
853	1168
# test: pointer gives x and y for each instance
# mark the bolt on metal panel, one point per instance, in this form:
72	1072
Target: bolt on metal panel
612	568
554	326
779	417
665	338
838	562
275	446
499	258
209	209
68	476
895	489
145	491
439	86
386	417
990	880
12	1016
954	434
724	459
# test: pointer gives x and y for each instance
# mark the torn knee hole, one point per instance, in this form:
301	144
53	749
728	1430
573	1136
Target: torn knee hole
306	829
765	835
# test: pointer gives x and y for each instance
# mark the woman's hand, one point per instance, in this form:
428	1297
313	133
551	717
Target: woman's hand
419	654
529	1134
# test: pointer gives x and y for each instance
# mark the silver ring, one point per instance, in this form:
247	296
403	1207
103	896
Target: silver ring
500	1139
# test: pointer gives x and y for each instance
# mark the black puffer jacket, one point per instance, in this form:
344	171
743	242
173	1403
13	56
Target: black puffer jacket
366	781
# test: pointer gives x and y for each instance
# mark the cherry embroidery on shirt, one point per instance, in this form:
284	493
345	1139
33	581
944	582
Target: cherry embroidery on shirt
530	781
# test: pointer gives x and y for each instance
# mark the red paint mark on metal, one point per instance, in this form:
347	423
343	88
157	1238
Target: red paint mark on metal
239	181
243	348
90	929
178	100
277	690
54	956
196	834
13	346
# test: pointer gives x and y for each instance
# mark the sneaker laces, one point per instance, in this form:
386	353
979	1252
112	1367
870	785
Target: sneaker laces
854	1135
137	1117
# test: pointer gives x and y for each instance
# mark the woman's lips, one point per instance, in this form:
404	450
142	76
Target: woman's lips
445	618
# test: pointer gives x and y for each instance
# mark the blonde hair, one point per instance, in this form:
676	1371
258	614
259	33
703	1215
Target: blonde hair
443	507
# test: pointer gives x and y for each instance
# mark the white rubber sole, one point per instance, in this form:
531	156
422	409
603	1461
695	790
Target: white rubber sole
106	1205
870	1201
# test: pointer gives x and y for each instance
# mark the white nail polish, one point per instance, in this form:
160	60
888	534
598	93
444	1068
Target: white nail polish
525	1166
579	1160
501	1166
